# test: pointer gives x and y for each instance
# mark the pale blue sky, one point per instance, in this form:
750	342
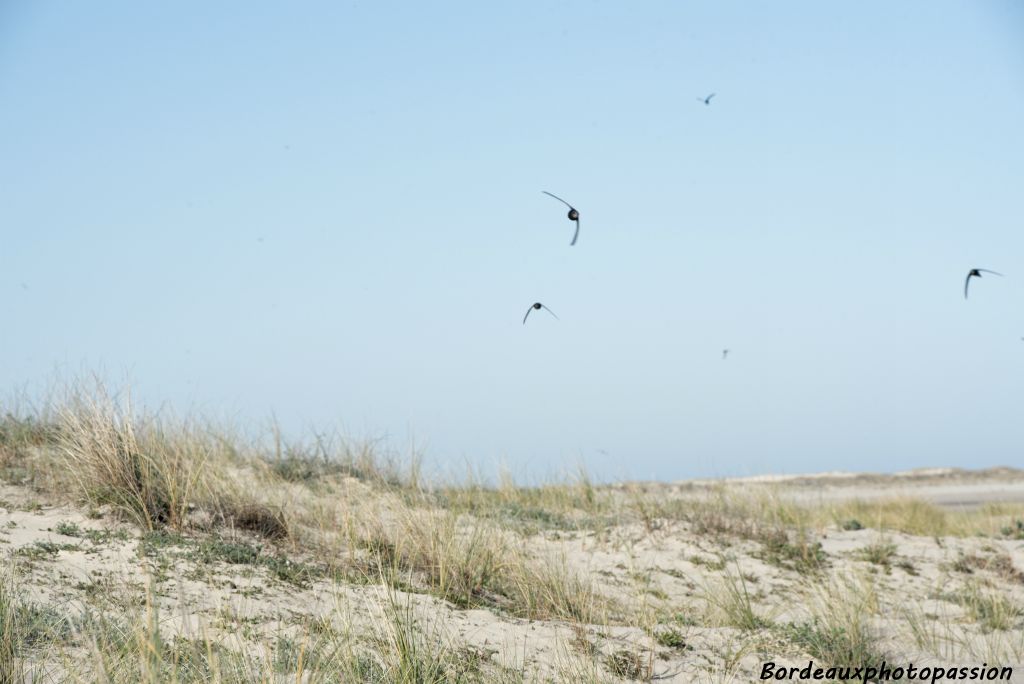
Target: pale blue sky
333	213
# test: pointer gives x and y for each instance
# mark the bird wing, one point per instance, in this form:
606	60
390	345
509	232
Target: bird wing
708	98
576	234
966	283
527	314
558	198
985	270
551	312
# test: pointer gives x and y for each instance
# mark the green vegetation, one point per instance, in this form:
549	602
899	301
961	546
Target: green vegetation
670	637
835	644
879	553
989	607
1015	530
69	529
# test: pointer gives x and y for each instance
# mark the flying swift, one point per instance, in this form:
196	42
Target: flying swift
573	215
976	273
538	306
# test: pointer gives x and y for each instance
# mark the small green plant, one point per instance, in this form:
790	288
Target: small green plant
44	550
715	565
879	553
231	552
97	537
852	524
155	541
685	619
1015	530
68	529
670	637
292	572
835	644
801	555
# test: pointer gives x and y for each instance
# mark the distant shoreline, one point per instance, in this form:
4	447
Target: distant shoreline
946	487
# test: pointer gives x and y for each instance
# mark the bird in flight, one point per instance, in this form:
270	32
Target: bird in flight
706	100
725	354
538	305
976	273
573	215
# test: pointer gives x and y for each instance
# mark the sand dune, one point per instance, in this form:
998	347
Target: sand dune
681	582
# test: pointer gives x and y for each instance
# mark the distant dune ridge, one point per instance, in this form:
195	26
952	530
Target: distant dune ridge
947	487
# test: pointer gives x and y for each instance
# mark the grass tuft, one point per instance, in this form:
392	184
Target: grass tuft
839	629
734	605
143	468
879	553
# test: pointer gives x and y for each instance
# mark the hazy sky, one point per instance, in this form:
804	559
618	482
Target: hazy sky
332	212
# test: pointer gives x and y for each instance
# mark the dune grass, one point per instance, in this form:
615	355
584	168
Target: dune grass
733	605
839	630
203	503
134	647
10	640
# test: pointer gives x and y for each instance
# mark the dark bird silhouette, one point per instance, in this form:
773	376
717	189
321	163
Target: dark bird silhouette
573	215
725	353
706	100
976	273
538	305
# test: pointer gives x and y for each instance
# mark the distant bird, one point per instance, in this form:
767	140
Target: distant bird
538	306
706	100
976	273
573	215
725	353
